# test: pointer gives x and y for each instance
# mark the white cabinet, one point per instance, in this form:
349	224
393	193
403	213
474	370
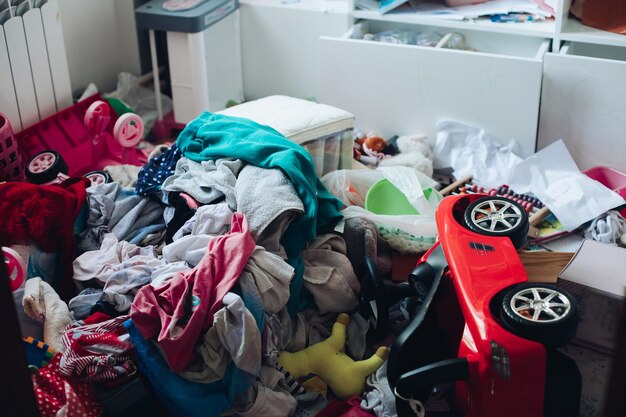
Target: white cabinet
584	86
402	89
280	47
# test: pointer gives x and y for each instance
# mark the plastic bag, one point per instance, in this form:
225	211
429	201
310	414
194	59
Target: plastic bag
406	37
411	234
405	233
351	186
142	100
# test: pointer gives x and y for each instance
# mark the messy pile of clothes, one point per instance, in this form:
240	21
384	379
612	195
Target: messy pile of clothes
183	290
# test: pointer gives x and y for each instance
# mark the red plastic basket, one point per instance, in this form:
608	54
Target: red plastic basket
10	158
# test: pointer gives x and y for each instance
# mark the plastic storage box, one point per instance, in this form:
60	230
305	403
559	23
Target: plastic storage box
324	131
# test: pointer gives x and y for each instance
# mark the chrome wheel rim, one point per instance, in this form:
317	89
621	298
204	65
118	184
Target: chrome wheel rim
496	216
540	305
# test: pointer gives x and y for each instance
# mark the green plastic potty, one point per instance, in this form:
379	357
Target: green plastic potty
385	198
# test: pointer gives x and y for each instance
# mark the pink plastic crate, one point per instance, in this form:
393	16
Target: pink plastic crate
85	143
10	158
610	178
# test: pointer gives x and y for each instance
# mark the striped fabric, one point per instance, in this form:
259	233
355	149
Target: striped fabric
293	386
97	352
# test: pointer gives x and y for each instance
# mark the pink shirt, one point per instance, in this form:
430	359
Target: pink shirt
182	309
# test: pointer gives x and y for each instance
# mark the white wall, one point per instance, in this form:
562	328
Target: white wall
100	40
280	44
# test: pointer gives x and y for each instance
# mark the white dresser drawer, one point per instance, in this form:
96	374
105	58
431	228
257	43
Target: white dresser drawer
583	103
404	89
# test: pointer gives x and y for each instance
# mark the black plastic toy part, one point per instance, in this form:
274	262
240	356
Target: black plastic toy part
429	274
44	167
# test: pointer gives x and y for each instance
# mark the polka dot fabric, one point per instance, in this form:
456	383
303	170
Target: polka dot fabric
53	393
153	174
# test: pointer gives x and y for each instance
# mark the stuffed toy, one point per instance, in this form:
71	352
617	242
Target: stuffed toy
369	149
42	303
327	360
414	153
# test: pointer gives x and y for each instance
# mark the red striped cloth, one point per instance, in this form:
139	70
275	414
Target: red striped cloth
96	350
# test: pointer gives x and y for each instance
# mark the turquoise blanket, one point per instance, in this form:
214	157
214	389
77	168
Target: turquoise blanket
213	136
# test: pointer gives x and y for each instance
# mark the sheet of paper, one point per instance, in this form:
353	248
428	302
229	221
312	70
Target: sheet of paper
552	175
472	151
598	265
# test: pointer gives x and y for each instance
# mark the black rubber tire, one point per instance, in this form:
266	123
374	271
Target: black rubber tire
517	235
552	334
104	175
58	166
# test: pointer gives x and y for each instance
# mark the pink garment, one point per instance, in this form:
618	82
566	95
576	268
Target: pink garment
182	309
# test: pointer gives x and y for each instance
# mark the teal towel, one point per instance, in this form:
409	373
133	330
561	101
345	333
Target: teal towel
213	136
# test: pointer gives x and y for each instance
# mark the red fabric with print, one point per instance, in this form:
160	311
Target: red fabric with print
54	392
44	215
181	310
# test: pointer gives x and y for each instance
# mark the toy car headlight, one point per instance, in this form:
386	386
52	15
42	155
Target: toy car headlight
500	360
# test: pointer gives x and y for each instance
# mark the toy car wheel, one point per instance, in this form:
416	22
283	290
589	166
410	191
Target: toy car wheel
98	177
45	166
540	312
498	216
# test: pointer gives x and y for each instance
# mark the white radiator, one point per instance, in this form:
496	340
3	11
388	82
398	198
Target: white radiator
34	76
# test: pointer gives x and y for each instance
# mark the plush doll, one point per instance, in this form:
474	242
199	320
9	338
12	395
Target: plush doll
369	149
42	303
374	143
327	360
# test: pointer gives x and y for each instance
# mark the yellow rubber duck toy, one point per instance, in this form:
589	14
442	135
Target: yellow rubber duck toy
327	360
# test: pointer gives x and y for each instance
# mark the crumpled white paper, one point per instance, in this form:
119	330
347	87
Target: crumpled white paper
552	175
472	151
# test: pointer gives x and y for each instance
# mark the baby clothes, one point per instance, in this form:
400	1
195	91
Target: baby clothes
380	399
179	311
272	276
210	219
121	268
181	397
329	276
97	349
190	249
100	264
158	168
59	396
129	216
233	336
267	397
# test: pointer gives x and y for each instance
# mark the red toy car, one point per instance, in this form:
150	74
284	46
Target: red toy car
483	328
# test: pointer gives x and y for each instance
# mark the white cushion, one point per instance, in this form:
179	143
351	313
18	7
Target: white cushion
299	120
